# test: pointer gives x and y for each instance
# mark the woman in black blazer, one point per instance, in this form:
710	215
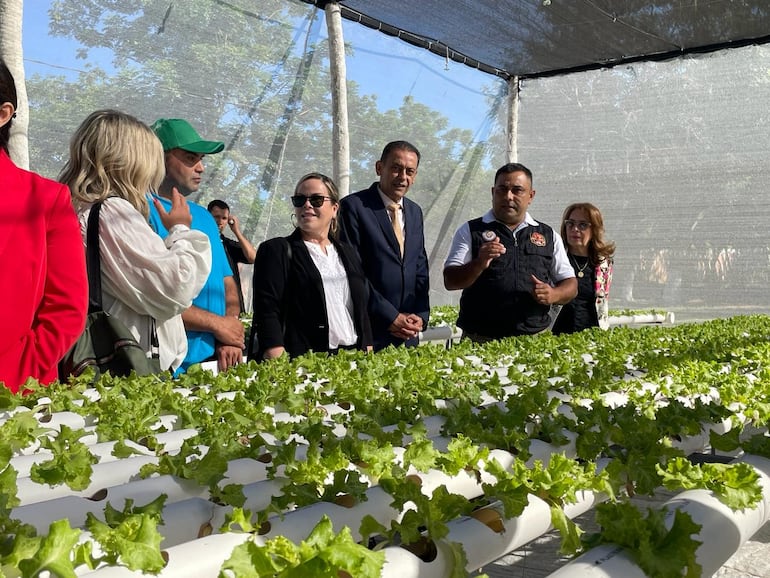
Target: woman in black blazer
310	292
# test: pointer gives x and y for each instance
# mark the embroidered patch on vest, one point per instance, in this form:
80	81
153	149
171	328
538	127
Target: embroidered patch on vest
537	239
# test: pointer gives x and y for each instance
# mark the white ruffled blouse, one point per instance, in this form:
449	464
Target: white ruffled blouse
145	277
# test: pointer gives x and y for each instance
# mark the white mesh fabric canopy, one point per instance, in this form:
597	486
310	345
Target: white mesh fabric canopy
673	152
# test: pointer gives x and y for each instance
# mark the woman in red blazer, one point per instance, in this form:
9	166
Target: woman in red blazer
43	283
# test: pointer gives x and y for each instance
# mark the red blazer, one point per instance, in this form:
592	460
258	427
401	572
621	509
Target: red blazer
43	283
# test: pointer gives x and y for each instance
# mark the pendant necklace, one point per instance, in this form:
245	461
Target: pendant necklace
579	268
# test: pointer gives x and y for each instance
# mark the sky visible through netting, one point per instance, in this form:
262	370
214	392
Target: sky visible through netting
673	153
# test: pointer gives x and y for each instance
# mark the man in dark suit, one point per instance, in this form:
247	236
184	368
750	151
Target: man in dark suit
387	230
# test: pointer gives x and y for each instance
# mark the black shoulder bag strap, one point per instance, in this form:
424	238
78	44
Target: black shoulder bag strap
93	263
94	268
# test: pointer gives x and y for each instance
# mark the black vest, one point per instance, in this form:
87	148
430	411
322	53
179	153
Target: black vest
501	303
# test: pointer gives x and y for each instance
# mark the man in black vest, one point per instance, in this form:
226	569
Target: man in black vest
510	267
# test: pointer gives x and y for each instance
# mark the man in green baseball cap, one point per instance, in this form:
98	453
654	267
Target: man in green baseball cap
184	151
214	331
176	133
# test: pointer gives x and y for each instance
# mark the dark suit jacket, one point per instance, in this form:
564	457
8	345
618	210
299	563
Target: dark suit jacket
289	302
398	285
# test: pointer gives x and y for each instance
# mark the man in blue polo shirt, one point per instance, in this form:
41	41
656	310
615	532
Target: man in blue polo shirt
214	331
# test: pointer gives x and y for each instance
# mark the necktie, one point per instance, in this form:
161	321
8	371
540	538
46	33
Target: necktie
393	209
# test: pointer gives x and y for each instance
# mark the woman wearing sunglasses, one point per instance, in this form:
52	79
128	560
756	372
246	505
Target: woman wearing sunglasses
582	229
310	292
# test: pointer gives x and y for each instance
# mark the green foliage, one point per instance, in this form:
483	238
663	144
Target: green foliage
130	536
660	552
52	552
737	485
332	427
322	553
71	462
256	78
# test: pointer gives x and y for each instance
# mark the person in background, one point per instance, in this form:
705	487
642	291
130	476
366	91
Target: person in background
146	281
386	229
310	292
43	280
510	267
238	250
214	330
591	257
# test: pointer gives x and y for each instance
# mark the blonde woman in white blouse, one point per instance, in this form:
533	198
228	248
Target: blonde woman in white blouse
117	159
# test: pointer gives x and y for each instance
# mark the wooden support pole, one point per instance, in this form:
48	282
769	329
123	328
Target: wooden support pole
340	133
513	120
11	52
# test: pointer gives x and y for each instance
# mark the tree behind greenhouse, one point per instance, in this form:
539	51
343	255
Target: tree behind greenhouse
254	76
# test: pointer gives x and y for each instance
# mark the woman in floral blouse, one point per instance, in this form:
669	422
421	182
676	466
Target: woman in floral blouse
591	256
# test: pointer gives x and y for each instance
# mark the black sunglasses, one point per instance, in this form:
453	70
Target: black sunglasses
315	200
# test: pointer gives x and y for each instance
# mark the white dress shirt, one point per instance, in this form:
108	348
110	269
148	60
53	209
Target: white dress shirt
339	303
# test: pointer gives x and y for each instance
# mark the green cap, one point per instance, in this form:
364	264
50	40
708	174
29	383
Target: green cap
176	133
